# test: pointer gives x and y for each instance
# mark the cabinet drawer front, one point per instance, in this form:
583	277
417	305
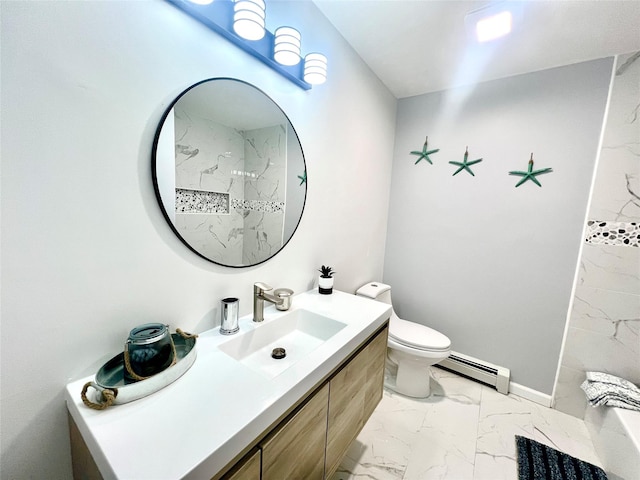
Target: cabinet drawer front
296	450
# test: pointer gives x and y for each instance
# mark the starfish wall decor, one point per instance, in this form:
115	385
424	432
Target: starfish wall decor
465	164
530	174
303	177
424	154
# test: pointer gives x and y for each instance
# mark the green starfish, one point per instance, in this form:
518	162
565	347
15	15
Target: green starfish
530	174
303	177
465	164
424	154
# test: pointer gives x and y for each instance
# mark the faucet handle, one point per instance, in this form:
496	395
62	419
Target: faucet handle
259	288
285	295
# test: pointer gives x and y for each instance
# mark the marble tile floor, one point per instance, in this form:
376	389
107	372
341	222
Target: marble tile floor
463	431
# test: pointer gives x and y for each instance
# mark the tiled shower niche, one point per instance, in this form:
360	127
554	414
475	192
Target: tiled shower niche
196	201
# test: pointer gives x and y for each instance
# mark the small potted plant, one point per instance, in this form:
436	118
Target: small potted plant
325	282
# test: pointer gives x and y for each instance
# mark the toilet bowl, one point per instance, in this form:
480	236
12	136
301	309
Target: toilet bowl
411	348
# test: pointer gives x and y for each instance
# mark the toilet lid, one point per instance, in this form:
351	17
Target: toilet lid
417	336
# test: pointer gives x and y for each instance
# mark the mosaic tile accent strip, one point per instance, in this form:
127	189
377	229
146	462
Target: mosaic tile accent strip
621	234
257	205
198	201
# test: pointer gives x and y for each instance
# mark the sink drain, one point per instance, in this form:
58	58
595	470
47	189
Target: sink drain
278	353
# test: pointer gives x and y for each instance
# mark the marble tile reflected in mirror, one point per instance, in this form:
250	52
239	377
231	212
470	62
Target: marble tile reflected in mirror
226	166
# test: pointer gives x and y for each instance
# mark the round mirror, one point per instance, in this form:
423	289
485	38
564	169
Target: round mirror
229	172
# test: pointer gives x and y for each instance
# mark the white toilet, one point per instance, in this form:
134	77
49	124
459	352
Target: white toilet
412	347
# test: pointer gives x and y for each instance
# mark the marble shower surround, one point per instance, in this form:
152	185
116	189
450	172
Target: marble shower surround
265	154
230	189
604	323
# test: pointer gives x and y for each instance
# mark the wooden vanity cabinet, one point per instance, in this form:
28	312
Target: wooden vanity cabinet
296	449
355	392
249	468
311	441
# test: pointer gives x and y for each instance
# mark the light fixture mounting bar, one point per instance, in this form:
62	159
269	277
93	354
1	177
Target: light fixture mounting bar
218	16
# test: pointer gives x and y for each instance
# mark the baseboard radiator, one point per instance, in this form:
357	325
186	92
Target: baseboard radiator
483	372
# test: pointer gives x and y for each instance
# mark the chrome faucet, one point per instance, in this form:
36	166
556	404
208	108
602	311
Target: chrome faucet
259	296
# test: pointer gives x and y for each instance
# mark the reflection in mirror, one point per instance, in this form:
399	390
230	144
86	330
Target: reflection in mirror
229	172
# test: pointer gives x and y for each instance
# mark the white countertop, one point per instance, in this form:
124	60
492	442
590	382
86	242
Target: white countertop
195	426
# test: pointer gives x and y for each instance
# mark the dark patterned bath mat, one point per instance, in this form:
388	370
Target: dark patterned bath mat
539	462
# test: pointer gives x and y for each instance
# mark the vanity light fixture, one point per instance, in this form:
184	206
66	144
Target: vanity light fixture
315	68
242	22
248	19
286	49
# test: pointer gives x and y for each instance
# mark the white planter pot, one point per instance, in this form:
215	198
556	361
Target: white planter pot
325	285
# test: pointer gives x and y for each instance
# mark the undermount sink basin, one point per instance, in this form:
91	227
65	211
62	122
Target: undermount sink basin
299	332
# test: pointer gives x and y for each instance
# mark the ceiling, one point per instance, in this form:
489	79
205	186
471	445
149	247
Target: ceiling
420	46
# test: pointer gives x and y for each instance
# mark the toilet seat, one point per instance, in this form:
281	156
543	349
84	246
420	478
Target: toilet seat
414	335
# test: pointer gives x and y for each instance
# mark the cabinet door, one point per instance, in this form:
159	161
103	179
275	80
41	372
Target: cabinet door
296	449
84	467
246	469
374	377
354	393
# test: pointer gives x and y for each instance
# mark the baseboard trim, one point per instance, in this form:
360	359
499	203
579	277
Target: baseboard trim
530	394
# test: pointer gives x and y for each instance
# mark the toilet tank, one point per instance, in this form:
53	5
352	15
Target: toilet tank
376	291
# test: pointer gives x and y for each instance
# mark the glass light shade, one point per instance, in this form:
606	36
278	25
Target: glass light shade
248	19
315	68
286	50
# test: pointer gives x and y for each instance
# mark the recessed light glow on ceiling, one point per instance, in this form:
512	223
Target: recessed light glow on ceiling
494	20
493	27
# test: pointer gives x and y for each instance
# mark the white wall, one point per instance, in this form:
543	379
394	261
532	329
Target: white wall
86	252
491	265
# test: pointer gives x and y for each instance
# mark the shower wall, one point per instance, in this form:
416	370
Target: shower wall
265	152
208	157
604	324
230	188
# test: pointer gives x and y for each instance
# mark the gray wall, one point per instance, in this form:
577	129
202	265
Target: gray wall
604	328
86	252
487	264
